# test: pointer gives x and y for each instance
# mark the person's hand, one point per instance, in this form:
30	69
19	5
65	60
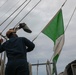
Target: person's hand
1	40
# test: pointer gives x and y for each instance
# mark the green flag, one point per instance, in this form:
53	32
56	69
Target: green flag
55	31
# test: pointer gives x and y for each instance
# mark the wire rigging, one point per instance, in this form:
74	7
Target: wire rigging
4	3
28	12
12	13
70	19
33	8
16	16
23	17
10	8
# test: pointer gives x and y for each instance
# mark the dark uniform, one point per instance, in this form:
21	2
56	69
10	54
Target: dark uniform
16	50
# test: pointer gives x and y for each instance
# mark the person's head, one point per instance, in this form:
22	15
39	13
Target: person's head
11	33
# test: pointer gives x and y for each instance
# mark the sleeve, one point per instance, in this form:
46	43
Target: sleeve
30	45
1	48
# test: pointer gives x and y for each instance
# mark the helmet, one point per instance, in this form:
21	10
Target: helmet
9	32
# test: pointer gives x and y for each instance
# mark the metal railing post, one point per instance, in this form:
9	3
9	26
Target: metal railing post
55	69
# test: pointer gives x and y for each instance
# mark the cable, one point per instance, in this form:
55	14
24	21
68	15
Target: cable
27	13
13	13
10	8
4	3
23	17
70	19
16	16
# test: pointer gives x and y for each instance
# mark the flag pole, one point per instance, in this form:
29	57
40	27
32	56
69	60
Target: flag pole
50	21
64	3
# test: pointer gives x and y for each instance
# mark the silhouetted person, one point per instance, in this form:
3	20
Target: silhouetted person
16	50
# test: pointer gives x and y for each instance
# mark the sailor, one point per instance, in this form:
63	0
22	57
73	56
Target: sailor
16	50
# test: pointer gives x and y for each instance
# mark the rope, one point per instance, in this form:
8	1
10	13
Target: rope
3	3
3	36
70	19
10	8
15	16
27	13
20	20
23	17
13	13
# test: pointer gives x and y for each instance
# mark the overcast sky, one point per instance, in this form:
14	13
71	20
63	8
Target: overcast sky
36	20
